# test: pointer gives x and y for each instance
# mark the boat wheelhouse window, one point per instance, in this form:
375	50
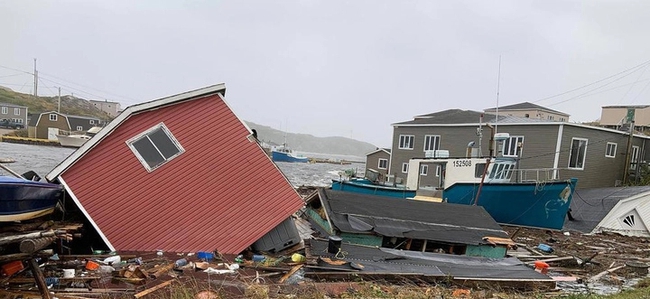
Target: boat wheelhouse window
512	146
424	169
80	128
431	142
405	168
382	164
53	117
610	151
155	147
479	169
406	141
578	153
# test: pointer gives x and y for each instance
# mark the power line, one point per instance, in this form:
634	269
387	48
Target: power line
17	70
73	88
102	91
584	93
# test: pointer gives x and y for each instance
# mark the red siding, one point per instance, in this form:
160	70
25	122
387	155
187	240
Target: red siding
223	193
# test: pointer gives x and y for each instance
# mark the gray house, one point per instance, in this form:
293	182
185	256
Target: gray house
14	113
378	160
594	155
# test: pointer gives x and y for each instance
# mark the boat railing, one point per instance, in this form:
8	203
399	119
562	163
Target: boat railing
536	175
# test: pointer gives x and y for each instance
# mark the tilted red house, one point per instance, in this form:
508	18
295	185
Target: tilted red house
181	173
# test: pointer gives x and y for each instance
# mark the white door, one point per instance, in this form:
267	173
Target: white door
51	133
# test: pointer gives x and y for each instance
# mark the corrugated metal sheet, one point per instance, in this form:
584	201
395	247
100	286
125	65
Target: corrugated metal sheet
223	193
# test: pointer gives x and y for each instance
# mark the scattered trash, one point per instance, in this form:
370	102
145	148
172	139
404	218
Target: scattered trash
68	273
567	234
545	248
298	258
258	258
541	267
180	263
112	260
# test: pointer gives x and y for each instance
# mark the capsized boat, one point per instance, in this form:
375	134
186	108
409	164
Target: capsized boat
23	199
512	196
285	154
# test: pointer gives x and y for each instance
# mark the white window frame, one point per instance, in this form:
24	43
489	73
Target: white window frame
431	140
584	156
385	163
405	168
424	169
5	110
634	158
92	121
80	128
16	111
507	146
55	118
406	141
613	146
145	134
438	170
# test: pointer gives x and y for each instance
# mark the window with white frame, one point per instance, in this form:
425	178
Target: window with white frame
610	150
18	120
155	147
431	142
635	157
382	164
438	170
53	117
5	110
424	169
92	121
80	128
578	153
406	141
512	146
405	168
16	111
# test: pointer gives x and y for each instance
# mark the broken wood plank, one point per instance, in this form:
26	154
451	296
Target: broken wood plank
153	289
40	279
601	274
293	270
162	270
555	259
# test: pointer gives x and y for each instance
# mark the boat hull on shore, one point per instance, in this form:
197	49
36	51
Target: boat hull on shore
21	199
365	186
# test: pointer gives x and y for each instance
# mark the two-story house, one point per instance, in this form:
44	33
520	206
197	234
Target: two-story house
594	155
49	124
14	113
530	110
111	108
617	116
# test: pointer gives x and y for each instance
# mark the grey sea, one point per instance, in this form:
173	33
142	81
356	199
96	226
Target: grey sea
42	159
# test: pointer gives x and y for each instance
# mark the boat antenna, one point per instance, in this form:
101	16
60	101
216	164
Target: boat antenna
498	86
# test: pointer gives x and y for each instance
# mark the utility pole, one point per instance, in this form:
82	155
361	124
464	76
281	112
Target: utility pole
628	152
35	79
59	108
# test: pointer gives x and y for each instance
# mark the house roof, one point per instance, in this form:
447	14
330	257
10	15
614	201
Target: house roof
458	116
524	106
11	105
385	150
393	217
222	192
590	206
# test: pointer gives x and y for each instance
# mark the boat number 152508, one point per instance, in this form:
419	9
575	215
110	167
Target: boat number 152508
463	163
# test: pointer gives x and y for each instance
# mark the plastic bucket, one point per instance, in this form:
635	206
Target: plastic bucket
541	267
90	265
68	273
205	256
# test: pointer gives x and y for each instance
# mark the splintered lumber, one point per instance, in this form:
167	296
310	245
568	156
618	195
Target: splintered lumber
293	270
153	289
162	270
601	274
40	280
18	238
555	259
32	245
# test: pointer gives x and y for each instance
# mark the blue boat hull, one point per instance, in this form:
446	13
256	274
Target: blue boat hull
521	204
285	157
366	187
22	199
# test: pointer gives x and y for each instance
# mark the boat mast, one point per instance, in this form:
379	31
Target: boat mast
496	120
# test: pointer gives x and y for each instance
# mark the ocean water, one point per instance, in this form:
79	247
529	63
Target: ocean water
42	159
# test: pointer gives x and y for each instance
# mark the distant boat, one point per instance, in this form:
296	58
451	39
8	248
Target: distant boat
285	154
77	140
506	193
22	199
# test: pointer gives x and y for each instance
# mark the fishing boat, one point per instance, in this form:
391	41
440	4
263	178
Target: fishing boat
23	199
285	154
512	196
77	139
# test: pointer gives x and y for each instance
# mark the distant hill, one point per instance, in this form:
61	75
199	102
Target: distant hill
313	144
69	104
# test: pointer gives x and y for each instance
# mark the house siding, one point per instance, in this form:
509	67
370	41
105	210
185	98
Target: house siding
372	162
44	123
22	115
222	193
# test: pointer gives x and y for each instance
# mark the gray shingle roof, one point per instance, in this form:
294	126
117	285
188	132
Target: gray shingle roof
457	116
11	105
524	106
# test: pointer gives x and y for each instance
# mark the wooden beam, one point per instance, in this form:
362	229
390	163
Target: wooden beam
293	270
40	280
153	289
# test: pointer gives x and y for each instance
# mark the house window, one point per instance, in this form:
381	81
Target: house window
512	146
550	117
438	170
92	121
610	151
405	168
578	153
383	164
431	142
53	117
635	157
424	169
406	141
5	110
16	111
155	147
562	119
80	128
526	115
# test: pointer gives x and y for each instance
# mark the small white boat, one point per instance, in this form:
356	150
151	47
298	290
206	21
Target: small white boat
77	140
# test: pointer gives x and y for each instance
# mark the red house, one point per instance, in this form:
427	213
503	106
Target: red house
181	173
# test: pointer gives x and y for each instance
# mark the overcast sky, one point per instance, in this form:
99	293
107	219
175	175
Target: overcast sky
335	68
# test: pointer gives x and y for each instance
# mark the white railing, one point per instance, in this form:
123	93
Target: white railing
536	175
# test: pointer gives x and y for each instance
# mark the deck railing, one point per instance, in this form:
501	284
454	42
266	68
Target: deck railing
536	175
